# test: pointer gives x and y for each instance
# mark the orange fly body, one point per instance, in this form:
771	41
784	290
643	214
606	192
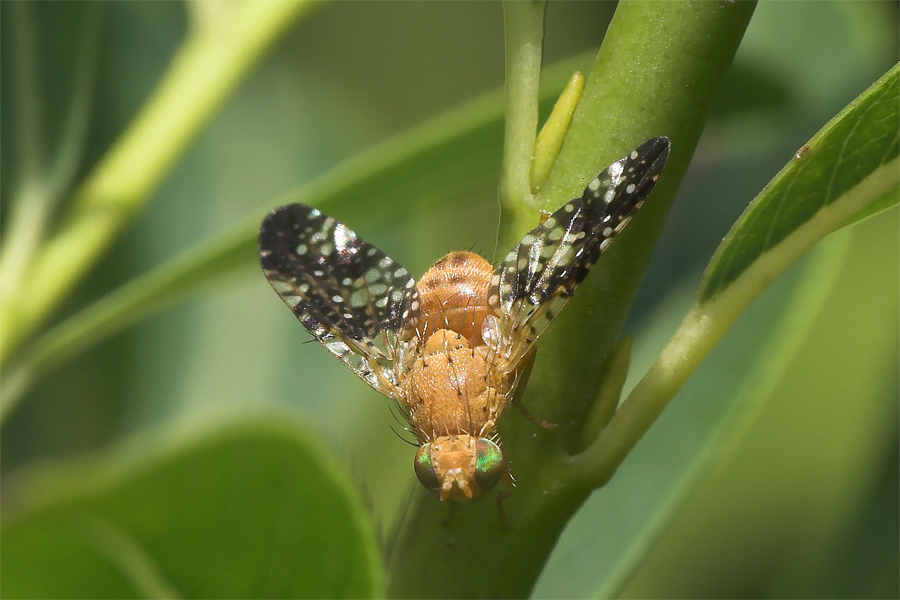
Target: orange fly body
453	349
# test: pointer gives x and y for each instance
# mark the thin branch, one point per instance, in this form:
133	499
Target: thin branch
524	26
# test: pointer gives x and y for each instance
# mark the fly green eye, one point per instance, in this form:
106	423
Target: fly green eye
490	463
425	469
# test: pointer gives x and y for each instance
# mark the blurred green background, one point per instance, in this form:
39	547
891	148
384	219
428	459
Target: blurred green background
803	502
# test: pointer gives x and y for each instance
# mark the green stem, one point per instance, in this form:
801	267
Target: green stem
29	104
78	114
615	371
656	74
29	203
202	75
524	27
43	185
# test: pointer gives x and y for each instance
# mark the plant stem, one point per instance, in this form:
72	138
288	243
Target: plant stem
43	185
524	27
78	115
656	74
615	371
30	207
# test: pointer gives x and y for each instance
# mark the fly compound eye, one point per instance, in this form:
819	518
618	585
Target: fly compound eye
425	469
490	463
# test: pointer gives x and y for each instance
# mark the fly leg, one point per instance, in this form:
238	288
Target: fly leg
534	419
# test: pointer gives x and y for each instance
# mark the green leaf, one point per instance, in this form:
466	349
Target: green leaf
786	474
886	202
250	509
840	174
616	535
845	167
616	528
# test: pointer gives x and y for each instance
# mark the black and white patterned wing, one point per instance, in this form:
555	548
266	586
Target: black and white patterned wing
353	298
541	273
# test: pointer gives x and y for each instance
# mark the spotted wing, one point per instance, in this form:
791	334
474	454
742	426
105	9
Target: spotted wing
353	298
541	273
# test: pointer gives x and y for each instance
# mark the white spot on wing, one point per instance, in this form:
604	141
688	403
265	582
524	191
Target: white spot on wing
343	237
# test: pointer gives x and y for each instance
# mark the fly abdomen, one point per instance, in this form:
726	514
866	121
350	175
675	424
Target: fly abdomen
454	295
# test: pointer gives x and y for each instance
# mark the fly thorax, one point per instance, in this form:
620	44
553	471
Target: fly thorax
454	389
